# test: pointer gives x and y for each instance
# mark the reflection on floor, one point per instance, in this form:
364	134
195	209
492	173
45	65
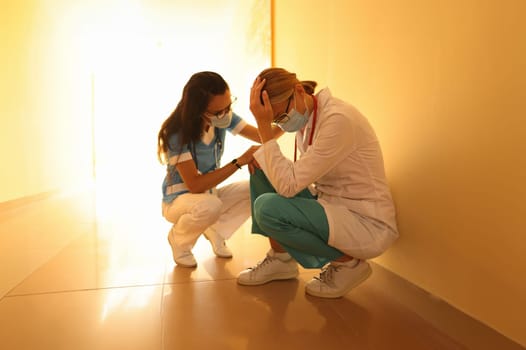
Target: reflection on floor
115	287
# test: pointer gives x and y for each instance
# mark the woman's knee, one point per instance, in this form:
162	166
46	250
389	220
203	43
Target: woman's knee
207	210
267	206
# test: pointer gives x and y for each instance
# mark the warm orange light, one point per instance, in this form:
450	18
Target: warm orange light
141	56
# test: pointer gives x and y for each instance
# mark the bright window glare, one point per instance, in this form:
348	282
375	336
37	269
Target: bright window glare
141	55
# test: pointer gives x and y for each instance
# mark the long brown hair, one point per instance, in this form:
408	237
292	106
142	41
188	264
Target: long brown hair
187	116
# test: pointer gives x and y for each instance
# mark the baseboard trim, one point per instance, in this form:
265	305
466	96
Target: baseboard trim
468	331
22	201
12	205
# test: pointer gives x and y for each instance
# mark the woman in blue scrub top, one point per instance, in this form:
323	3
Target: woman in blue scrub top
191	142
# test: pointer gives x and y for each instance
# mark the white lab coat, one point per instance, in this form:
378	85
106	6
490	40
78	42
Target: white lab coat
345	165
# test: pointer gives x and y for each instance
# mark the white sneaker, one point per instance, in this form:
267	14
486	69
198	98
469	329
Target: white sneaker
218	244
275	266
181	257
337	279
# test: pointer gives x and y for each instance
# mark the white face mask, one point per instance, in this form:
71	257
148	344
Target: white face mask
295	120
222	122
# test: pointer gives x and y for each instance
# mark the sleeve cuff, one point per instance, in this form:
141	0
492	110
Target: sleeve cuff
259	155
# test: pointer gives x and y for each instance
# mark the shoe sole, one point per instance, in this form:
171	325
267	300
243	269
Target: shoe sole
276	277
223	256
185	265
315	293
175	260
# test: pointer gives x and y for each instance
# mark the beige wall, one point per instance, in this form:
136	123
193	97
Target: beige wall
45	89
444	84
45	133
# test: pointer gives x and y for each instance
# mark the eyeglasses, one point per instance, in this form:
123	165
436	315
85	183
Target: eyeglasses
221	114
284	117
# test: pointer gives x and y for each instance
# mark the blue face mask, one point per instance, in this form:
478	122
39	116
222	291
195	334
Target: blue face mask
295	120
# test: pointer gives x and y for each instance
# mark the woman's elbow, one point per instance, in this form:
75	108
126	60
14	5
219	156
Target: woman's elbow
195	188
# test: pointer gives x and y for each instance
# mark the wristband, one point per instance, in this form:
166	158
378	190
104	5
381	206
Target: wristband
234	161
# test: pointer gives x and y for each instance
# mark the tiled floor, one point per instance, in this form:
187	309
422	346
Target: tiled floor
115	287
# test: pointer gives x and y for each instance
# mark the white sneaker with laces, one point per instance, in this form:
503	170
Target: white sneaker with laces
337	279
218	244
181	257
275	266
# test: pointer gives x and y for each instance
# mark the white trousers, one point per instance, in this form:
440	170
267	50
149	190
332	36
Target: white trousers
223	210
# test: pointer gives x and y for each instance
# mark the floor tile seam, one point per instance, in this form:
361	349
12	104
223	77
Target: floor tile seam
307	273
161	313
43	263
200	281
82	290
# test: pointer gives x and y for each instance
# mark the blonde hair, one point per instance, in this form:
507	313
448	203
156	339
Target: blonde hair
280	84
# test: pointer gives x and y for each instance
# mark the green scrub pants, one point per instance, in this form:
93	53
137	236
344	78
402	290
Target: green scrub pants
298	224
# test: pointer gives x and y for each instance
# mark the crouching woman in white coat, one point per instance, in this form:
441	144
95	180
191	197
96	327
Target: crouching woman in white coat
191	142
330	209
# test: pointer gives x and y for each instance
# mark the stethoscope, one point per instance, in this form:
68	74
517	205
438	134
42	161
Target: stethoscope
218	147
311	135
